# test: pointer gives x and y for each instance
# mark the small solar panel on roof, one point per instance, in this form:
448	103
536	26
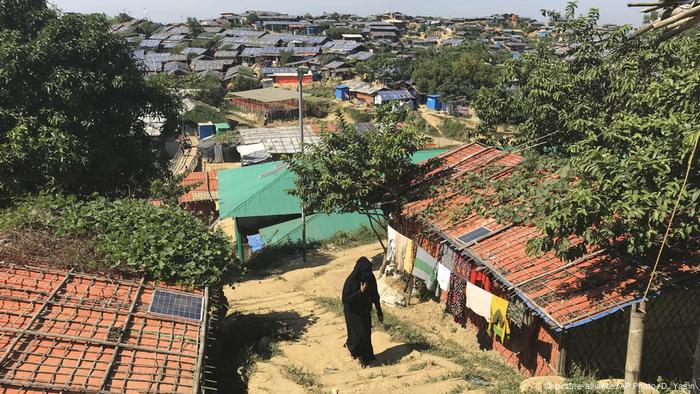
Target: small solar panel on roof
474	235
177	304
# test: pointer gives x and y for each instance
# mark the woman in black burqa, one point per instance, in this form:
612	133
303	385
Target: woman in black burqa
359	293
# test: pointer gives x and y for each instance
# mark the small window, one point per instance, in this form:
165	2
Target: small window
474	235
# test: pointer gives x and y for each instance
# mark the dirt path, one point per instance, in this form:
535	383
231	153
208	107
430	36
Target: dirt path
308	356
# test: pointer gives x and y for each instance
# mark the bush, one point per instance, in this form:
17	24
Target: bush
317	108
203	114
129	237
358	116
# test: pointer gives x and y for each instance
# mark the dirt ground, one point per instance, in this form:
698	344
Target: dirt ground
307	354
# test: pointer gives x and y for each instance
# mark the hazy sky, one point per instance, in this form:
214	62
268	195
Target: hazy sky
612	11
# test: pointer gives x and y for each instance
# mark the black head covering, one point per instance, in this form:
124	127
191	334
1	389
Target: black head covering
362	266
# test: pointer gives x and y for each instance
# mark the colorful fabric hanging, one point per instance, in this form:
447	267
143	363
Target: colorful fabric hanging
481	279
400	251
499	319
479	301
409	255
456	299
425	268
462	266
517	313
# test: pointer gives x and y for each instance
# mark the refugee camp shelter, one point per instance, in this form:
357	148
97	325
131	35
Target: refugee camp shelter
562	314
204	196
272	103
278	140
257	197
67	332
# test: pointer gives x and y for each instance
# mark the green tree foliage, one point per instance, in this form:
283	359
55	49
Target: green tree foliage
454	71
194	26
336	33
147	27
72	104
207	89
131	237
368	173
612	128
246	79
385	67
286	57
123	17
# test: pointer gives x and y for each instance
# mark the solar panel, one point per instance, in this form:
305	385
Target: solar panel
474	235
177	304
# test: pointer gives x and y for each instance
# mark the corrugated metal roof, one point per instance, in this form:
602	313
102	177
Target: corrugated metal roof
402	94
278	140
258	190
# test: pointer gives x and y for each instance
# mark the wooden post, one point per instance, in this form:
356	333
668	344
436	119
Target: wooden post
635	348
561	362
695	389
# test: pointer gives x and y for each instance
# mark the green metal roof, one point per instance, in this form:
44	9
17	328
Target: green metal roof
319	227
222	126
259	190
423	155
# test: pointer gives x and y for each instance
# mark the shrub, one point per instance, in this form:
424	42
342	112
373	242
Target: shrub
130	237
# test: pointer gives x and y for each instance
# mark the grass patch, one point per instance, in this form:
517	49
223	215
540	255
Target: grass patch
359	116
454	129
494	374
302	377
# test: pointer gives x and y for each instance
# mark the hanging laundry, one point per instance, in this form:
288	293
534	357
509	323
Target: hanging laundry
456	299
425	268
462	266
391	244
499	319
447	257
479	301
517	313
409	255
481	279
443	277
400	251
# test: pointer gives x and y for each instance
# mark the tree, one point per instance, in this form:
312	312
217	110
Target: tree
454	71
251	18
246	79
610	131
336	33
128	237
72	107
286	57
123	17
386	68
369	173
194	26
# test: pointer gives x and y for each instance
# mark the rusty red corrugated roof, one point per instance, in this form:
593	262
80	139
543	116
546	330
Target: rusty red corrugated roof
565	294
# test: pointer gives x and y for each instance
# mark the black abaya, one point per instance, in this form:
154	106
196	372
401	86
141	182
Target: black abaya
357	307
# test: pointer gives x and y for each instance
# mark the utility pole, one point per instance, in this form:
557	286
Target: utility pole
301	71
635	347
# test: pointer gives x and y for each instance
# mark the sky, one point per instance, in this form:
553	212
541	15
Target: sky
612	11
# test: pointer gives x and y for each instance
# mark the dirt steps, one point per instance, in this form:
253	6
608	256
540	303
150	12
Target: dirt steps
312	358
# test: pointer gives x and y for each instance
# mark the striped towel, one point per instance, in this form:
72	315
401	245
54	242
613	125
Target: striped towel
425	268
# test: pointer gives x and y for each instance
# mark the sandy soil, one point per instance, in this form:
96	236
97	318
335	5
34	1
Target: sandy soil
316	335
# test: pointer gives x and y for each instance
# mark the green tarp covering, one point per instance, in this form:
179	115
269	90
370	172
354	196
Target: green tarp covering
261	190
319	227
